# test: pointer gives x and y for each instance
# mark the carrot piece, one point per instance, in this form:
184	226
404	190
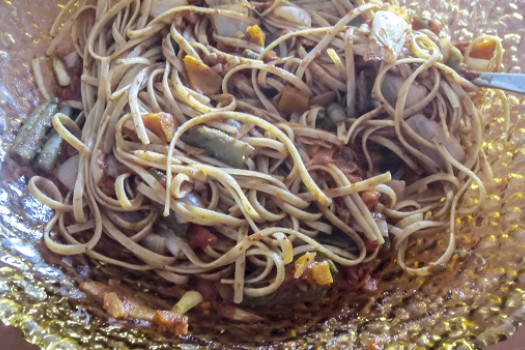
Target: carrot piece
256	35
292	100
483	50
371	198
161	124
202	77
321	274
302	263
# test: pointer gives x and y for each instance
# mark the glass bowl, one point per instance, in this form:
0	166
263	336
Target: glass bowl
476	301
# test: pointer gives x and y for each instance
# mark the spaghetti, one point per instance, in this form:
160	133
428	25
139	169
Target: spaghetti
230	140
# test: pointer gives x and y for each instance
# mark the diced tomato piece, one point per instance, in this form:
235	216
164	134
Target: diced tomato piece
353	178
434	25
346	166
322	158
114	306
225	48
72	91
171	321
371	284
418	24
371	198
462	46
119	304
200	237
95	289
371	245
208	289
136	309
270	58
353	277
190	16
376	343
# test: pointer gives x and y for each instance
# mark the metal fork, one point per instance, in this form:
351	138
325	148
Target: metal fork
505	81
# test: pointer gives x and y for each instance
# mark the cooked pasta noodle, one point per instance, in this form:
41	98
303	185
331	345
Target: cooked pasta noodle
278	125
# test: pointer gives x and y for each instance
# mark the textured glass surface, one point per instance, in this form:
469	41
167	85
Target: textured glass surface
478	300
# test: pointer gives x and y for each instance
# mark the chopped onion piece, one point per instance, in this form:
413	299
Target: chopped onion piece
61	73
409	220
98	160
387	36
173	244
155	243
391	86
294	14
237	314
216	3
67	172
477	64
430	130
381	223
193	199
228	26
71	59
158	7
399	188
